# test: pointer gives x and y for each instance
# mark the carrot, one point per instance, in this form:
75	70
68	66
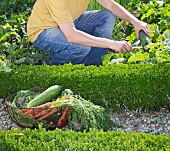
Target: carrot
36	110
63	119
48	104
41	113
50	112
28	112
41	107
24	110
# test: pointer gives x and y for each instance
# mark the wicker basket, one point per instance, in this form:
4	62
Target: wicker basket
29	121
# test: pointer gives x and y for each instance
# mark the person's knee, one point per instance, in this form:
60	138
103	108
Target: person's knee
83	50
80	53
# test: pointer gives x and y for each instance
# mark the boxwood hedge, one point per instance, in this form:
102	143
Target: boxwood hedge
112	86
58	140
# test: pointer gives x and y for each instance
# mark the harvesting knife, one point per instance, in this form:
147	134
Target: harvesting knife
137	47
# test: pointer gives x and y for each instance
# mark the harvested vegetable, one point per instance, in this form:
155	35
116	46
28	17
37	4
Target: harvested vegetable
49	112
24	110
48	95
85	113
1	100
47	107
41	113
64	118
144	39
27	93
28	112
21	101
36	110
43	106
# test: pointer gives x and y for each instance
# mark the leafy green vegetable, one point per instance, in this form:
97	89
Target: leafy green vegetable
86	113
29	96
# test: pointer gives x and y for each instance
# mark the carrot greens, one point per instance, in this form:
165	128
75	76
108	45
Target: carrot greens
88	115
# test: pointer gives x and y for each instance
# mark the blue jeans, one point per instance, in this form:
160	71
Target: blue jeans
98	23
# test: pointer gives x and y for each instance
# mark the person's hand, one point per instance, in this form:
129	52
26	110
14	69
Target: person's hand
140	25
120	46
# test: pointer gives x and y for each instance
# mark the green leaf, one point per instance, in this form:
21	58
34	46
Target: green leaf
166	34
158	120
106	58
29	61
154	28
38	57
151	11
137	57
5	66
21	60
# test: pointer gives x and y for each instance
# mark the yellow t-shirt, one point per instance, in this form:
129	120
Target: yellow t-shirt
50	13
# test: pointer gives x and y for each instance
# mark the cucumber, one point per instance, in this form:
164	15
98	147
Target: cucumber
48	95
144	39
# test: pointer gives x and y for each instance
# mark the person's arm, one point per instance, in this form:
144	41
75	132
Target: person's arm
122	13
79	37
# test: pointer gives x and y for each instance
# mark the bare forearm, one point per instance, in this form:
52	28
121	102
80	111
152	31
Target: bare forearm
83	38
92	41
118	10
79	37
122	13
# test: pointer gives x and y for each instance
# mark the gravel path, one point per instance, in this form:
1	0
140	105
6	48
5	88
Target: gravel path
148	122
132	121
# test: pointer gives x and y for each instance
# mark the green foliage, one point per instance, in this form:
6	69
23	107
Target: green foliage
58	140
15	47
14	6
111	86
5	66
156	14
14	43
94	6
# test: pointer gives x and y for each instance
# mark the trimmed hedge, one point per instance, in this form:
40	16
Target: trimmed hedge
112	86
58	140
